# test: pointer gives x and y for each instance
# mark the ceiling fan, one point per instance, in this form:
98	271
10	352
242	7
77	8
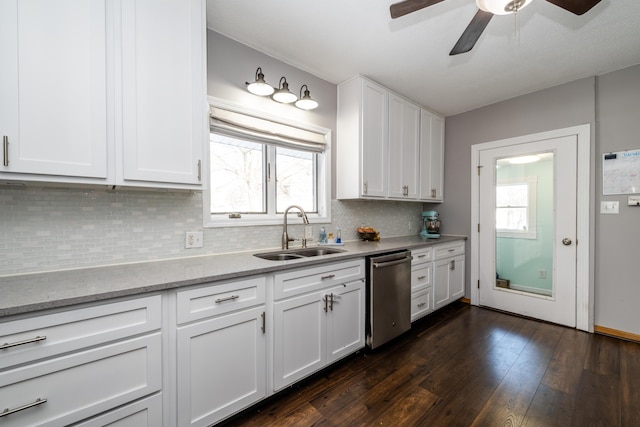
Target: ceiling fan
486	10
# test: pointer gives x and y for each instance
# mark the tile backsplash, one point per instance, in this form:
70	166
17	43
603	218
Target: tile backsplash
50	228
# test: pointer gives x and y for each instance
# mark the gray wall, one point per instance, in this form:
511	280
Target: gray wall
611	104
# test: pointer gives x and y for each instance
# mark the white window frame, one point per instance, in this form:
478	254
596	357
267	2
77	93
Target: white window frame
532	192
323	215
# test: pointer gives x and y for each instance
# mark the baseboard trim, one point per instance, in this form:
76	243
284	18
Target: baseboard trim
616	333
465	300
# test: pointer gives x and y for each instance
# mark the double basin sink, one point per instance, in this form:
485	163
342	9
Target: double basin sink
285	255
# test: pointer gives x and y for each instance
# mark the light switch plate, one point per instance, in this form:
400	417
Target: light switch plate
610	207
634	201
308	232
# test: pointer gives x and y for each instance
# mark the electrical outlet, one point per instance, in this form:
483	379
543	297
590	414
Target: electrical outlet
193	239
308	232
609	207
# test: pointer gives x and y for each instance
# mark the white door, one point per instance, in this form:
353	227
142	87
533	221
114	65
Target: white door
527	212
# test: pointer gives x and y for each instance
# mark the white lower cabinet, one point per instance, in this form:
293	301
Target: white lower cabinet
316	328
221	360
448	274
73	387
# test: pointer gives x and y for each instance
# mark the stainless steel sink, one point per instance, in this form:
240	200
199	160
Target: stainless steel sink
297	253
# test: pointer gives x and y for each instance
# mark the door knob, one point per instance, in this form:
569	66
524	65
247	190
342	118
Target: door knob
566	241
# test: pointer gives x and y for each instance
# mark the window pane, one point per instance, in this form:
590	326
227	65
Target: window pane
296	183
512	195
237	176
511	219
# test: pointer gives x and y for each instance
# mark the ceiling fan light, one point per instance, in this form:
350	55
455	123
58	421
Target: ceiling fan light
305	102
283	94
502	7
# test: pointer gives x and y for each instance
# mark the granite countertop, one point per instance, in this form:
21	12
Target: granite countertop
31	292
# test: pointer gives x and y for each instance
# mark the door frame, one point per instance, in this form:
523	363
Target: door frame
584	248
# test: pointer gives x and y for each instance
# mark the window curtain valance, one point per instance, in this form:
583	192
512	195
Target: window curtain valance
238	125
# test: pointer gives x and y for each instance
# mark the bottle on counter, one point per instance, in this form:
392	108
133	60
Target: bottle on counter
323	235
338	235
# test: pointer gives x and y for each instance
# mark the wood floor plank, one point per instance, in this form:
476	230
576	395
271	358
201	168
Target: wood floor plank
564	373
603	355
630	383
408	411
508	405
549	408
597	401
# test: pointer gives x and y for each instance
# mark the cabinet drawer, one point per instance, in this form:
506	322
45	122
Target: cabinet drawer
34	338
195	304
143	413
448	250
421	303
300	281
83	384
421	255
421	276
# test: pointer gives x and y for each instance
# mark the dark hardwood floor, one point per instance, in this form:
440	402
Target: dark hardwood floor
468	366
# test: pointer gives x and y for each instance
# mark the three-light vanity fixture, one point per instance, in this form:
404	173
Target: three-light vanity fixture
282	95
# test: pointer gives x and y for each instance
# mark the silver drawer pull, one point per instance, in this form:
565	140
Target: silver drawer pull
422	304
17	343
422	256
422	277
8	411
452	249
231	298
329	276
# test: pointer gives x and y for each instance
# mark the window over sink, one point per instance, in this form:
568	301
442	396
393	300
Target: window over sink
259	166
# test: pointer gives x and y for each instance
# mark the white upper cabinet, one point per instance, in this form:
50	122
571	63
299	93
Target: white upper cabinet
97	92
163	92
53	89
363	139
404	148
388	146
431	157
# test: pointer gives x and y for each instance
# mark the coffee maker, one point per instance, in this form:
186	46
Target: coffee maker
430	225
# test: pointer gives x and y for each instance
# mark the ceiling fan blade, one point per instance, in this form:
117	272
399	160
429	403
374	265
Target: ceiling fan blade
578	7
406	7
472	33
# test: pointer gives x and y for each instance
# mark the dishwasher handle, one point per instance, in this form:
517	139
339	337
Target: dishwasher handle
390	263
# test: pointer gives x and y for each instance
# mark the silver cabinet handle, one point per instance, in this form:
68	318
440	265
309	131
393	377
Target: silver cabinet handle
7	411
433	192
231	298
453	265
17	343
5	150
331	303
329	276
422	304
422	277
452	249
422	256
326	303
264	322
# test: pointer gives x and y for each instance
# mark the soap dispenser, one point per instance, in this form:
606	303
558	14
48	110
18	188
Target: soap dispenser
323	235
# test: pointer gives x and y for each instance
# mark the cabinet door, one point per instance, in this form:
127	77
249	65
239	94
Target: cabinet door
345	320
441	283
374	149
53	88
404	137
163	92
221	367
299	337
431	157
456	278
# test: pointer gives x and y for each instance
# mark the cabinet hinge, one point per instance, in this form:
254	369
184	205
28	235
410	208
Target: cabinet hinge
479	167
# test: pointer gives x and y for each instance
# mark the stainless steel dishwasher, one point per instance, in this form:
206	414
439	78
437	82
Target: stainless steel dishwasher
388	297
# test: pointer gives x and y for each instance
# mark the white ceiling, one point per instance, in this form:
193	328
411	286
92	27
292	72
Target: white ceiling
337	39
